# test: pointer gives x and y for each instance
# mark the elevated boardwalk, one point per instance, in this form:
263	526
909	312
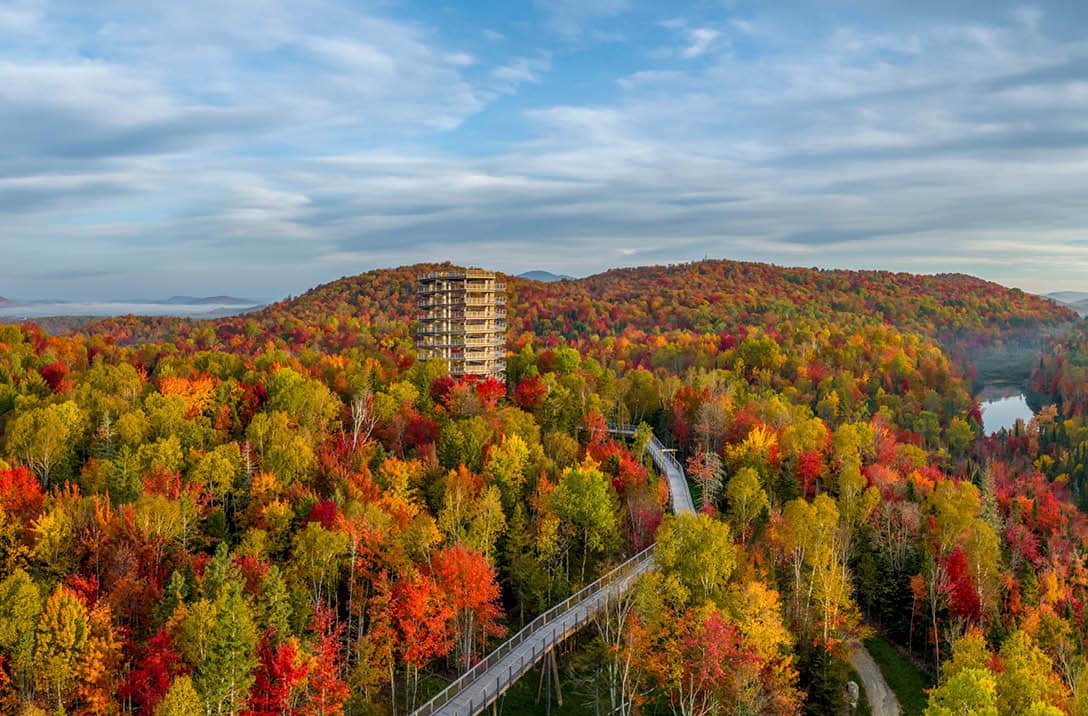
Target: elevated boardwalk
485	682
679	494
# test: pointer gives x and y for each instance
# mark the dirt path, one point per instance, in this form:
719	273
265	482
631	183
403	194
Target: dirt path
882	699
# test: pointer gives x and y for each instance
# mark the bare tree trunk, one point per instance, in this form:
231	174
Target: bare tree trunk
363	418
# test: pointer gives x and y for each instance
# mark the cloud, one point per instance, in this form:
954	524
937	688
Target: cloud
158	77
73	274
521	70
572	19
19	17
698	40
701	40
302	146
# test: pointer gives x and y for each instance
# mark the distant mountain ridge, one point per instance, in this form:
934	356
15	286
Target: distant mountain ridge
1077	300
545	276
172	301
210	301
1068	296
180	306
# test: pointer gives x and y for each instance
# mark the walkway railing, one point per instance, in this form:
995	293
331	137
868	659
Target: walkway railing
563	618
481	685
663	457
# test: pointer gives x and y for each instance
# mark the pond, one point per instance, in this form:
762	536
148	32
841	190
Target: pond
1002	408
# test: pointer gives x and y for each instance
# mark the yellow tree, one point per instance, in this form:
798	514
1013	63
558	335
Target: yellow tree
181	700
505	468
816	548
970	691
1027	678
757	611
64	633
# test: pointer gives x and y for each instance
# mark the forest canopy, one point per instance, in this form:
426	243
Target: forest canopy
285	512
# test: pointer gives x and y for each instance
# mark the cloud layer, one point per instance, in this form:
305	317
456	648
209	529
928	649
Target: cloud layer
251	147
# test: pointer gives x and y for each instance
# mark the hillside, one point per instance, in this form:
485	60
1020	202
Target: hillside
707	297
711	296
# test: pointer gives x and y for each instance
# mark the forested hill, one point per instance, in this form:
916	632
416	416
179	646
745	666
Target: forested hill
716	296
706	297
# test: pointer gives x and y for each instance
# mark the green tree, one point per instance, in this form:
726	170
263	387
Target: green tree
970	692
747	499
318	557
46	438
959	437
20	607
224	674
220	571
640	396
585	504
175	594
132	428
162	456
566	360
273	604
461	442
166	415
487	523
282	450
307	401
219	470
698	552
968	652
760	352
526	572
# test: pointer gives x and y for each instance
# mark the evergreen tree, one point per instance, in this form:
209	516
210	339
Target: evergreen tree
225	674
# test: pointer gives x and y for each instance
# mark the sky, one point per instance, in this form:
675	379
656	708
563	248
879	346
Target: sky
261	147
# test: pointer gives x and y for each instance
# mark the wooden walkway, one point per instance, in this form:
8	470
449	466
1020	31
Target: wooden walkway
482	685
679	494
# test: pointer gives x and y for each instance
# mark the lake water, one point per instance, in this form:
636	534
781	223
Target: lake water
1002	412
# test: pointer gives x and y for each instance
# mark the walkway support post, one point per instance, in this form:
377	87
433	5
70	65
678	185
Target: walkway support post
555	674
549	671
540	684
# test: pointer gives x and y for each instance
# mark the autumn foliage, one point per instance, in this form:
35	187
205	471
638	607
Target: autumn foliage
286	513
